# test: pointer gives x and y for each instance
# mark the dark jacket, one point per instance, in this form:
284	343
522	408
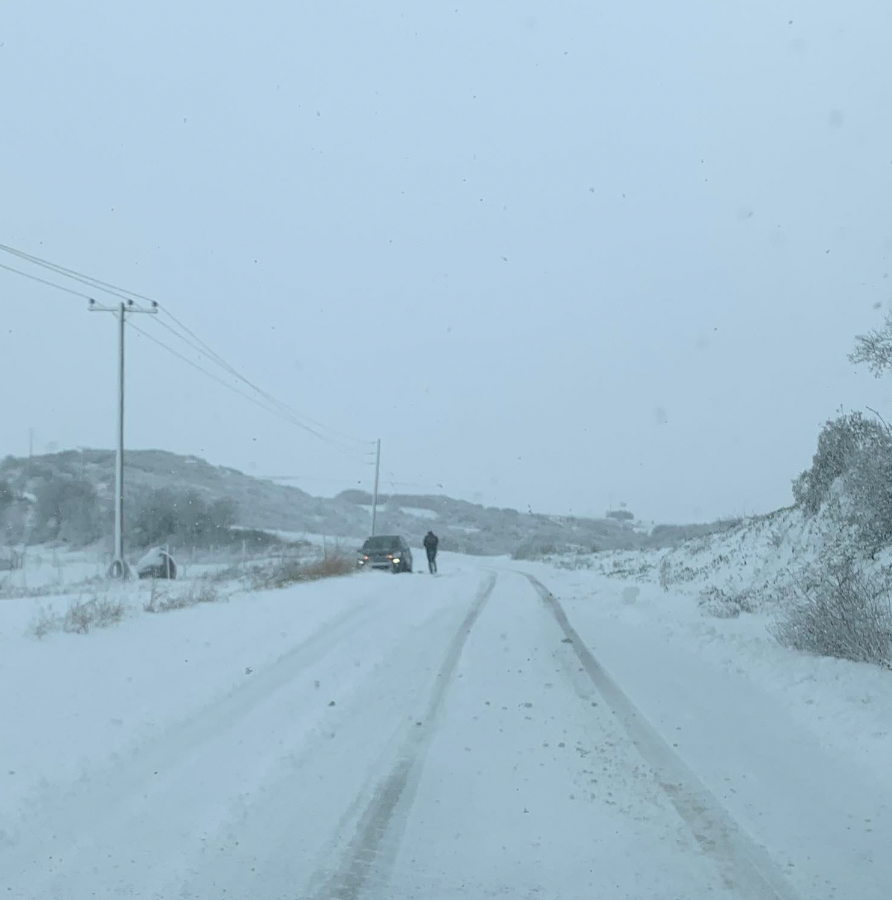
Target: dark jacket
431	542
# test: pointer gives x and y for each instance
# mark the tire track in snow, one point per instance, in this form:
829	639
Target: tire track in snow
745	867
363	858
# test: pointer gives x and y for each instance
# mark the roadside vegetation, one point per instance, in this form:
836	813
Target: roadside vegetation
106	605
821	569
81	616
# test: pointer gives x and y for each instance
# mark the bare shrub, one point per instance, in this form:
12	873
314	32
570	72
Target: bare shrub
107	611
203	591
279	574
332	566
640	571
679	574
841	611
45	622
233	572
285	572
80	617
721	604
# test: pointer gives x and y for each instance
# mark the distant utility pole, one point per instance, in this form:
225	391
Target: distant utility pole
121	310
375	495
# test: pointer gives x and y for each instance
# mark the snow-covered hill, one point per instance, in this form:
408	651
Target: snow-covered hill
462	526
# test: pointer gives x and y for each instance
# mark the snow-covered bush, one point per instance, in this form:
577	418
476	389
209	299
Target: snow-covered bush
722	604
850	480
841	610
868	488
838	444
534	549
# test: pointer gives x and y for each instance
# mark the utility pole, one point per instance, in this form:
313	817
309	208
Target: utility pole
119	565
375	495
30	452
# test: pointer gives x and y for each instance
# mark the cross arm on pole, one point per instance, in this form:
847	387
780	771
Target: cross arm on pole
128	306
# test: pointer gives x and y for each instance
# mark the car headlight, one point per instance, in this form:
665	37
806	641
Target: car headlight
396	559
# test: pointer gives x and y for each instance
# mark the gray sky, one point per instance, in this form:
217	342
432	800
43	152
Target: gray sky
554	254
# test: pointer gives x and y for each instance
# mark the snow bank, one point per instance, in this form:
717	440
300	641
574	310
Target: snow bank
759	559
748	572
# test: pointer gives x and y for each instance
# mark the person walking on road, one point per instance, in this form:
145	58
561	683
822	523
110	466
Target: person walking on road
431	542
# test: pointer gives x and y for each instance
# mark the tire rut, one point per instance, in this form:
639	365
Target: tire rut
364	861
745	866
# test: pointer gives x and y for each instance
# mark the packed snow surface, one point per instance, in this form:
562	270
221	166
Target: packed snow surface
477	734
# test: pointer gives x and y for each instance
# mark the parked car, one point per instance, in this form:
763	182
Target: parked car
157	563
386	551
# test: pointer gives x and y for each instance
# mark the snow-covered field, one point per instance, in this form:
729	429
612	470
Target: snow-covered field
47	567
49	571
472	735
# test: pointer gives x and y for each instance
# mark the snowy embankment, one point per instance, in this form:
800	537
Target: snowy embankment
717	600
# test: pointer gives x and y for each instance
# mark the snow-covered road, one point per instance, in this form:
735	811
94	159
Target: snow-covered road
471	735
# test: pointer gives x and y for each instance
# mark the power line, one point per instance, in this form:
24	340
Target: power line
51	284
105	286
235	373
251	399
334	438
203	350
220	381
413	484
282	408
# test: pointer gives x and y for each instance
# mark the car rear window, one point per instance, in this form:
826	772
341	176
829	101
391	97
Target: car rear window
381	543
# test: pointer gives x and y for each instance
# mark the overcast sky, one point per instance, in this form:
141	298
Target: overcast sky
556	255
